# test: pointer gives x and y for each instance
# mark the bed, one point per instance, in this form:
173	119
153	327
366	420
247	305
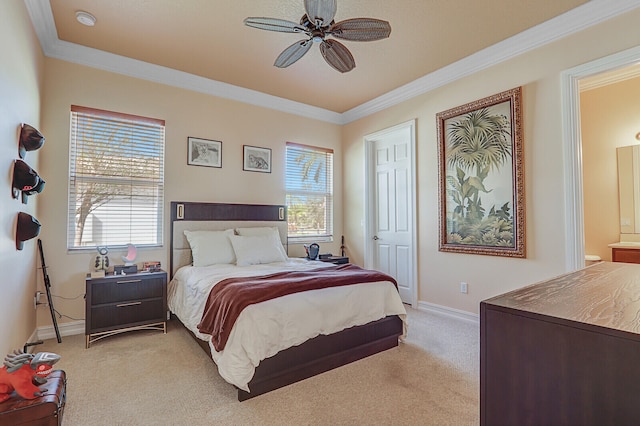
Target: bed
263	351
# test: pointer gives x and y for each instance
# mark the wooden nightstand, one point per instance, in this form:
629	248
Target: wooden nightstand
120	303
338	260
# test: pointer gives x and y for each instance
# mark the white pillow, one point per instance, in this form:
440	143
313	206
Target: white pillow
210	247
257	249
262	231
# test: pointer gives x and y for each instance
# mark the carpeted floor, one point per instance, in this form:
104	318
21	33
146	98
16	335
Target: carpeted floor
148	378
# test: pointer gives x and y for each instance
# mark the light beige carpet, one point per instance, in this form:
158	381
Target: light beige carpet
148	378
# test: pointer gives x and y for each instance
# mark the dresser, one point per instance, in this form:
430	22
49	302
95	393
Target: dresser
120	303
564	351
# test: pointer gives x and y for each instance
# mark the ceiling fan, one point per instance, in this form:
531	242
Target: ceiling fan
317	23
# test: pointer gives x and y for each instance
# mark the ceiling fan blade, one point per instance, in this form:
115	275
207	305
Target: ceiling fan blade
361	29
337	55
292	53
273	24
320	12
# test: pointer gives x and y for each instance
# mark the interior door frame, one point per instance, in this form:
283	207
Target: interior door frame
369	194
574	211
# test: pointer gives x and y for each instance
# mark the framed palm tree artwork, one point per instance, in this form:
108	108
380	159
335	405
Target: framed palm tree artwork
481	177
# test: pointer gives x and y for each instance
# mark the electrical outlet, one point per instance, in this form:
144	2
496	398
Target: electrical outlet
36	299
463	287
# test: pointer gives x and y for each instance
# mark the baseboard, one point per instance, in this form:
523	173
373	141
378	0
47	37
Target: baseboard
77	327
450	312
66	329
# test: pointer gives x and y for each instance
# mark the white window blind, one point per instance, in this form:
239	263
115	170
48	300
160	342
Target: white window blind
309	185
116	179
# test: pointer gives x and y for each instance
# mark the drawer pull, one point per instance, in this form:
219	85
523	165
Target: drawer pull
128	281
128	304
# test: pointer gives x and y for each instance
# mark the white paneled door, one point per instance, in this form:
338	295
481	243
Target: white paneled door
391	222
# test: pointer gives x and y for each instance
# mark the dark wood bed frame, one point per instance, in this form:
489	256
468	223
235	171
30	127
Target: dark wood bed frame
315	356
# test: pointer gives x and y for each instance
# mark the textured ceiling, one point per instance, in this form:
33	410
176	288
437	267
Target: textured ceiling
207	38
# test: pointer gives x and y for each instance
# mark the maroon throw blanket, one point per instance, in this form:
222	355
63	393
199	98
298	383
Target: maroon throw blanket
230	296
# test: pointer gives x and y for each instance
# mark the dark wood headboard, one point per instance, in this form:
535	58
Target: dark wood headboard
218	216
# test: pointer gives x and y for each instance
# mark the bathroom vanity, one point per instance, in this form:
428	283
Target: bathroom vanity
627	252
628	249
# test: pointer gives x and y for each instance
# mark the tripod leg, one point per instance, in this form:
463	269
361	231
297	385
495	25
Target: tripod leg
47	286
53	315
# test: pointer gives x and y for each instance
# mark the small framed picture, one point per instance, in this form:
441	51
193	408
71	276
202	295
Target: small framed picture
257	159
204	152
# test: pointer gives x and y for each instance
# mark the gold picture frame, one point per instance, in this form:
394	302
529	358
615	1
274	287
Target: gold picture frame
481	177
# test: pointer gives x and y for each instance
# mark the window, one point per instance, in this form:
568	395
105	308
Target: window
116	180
309	184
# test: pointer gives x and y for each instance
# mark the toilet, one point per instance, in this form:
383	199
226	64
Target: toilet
591	259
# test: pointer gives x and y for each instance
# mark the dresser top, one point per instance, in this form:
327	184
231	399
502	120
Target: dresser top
605	294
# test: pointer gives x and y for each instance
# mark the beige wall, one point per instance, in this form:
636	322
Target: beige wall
439	274
610	118
192	114
187	114
20	85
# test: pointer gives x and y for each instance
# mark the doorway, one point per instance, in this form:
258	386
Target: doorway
390	212
574	214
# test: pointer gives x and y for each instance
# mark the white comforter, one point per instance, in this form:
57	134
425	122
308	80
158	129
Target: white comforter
265	328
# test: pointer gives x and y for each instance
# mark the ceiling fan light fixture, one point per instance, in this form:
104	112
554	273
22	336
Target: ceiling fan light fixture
85	18
317	36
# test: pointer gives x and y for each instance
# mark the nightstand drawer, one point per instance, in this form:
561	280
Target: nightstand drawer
132	287
127	314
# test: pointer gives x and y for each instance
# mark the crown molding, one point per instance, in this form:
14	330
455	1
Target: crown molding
44	25
575	20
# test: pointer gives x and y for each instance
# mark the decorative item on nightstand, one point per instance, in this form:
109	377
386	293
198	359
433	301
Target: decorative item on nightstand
338	260
129	266
101	263
125	269
132	253
151	266
313	250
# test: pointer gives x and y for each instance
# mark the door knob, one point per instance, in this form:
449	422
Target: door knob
375	237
